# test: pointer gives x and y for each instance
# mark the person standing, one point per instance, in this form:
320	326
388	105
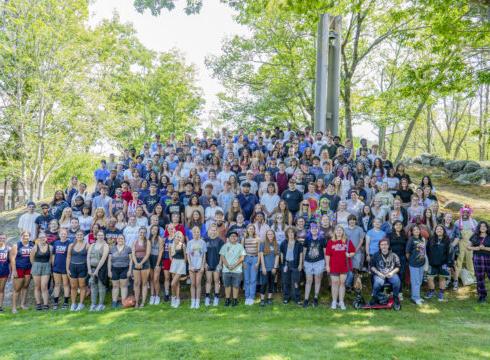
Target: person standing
177	266
292	265
196	254
5	266
97	270
21	269
58	262
232	254
27	222
480	245
314	249
415	252
119	269
213	264
141	271
77	270
269	263
40	257
42	221
438	255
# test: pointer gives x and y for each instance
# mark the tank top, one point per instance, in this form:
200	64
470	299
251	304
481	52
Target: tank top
42	257
4	261
155	248
179	253
22	260
251	246
60	250
139	249
78	257
96	255
120	259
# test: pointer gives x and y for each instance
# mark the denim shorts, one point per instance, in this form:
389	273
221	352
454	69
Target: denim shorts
315	268
232	279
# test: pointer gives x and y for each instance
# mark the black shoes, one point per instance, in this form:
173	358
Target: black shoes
305	303
235	302
482	299
262	303
315	302
227	302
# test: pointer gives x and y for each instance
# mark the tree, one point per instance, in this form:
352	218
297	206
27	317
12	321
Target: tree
156	6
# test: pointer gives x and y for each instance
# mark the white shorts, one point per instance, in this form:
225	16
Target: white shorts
315	268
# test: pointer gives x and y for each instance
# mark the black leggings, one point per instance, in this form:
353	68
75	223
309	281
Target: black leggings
267	282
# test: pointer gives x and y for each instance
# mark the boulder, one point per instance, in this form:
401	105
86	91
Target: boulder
479	177
426	159
453	205
455	166
437	161
470	167
417	160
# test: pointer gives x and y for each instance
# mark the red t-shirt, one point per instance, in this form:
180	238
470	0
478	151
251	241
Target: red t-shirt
337	250
127	195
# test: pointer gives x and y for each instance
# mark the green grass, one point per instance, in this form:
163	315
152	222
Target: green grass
457	329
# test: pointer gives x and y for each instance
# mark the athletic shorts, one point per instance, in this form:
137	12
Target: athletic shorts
41	269
145	265
231	279
166	264
22	273
78	271
153	261
438	271
119	273
59	270
314	268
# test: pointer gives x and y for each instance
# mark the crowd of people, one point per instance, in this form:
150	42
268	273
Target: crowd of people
255	212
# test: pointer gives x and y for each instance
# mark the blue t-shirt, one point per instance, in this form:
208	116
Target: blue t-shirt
269	258
60	250
375	237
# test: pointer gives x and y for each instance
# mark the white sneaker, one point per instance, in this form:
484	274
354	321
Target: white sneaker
193	303
80	307
172	302
93	307
73	307
196	304
101	307
177	303
216	301
156	300
342	306
152	300
334	305
418	302
207	301
400	296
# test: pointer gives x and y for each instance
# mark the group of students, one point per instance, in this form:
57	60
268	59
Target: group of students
265	211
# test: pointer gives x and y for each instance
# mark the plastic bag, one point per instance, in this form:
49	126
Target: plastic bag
466	277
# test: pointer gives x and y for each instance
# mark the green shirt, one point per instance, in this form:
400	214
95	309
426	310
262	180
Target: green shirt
232	252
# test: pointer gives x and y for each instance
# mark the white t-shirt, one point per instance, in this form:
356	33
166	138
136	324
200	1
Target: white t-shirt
27	223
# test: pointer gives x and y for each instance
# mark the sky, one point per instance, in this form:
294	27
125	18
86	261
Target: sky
196	36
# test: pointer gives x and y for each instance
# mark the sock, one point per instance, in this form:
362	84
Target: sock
56	300
216	295
207	295
66	300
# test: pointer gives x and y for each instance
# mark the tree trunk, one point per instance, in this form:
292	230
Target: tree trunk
382	137
429	129
347	107
409	130
15	193
4	200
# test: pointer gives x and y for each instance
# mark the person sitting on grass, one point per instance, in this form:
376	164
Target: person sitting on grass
438	254
385	266
232	254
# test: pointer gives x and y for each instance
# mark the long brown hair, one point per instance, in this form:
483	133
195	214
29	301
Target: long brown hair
267	245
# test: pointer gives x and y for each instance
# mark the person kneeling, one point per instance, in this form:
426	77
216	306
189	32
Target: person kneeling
385	266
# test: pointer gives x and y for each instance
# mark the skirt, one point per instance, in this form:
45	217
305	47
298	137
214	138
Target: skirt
178	267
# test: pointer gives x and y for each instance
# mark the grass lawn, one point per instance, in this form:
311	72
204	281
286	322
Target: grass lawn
457	329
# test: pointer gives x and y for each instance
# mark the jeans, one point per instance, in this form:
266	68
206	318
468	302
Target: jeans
379	283
290	278
250	276
97	291
416	278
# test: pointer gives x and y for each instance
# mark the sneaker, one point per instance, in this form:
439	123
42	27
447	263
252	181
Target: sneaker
227	302
305	303
157	300
177	303
342	306
14	311
73	307
193	303
482	299
285	301
196	304
207	301
166	298
334	305
80	307
440	297
152	300
418	302
64	306
430	294
315	302
216	301
114	304
55	306
172	302
93	307
262	303
101	307
455	285
400	296
235	302
39	307
269	301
